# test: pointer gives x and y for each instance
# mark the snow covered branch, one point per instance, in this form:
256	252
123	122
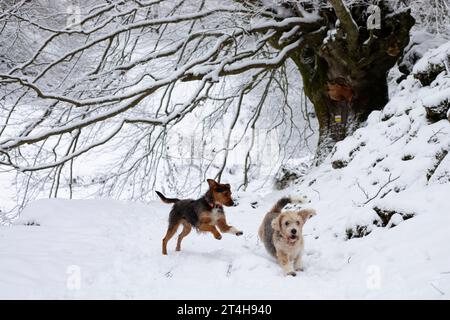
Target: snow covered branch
127	74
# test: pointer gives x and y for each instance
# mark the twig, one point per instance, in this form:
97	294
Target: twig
437	289
381	188
317	193
168	274
386	193
435	135
230	266
363	191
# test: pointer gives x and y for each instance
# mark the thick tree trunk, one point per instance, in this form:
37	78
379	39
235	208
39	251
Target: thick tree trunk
343	59
345	76
342	107
342	118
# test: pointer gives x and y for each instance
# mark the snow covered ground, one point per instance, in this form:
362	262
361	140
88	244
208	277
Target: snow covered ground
382	229
109	249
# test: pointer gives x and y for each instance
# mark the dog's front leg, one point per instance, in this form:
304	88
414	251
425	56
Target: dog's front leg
285	263
212	229
298	263
224	227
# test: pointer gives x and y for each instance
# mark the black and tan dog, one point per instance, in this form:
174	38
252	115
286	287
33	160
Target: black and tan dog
204	214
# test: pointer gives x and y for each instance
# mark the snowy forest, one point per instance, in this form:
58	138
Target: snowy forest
344	104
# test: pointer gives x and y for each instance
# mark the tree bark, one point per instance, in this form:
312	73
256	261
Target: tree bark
345	108
345	74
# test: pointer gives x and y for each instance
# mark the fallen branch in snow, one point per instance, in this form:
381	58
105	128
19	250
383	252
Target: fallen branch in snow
390	180
385	194
433	137
318	193
168	274
230	266
437	289
362	189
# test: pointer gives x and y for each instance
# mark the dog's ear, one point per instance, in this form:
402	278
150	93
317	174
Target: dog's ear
227	185
276	223
306	214
211	183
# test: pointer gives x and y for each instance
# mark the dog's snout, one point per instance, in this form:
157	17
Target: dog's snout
293	231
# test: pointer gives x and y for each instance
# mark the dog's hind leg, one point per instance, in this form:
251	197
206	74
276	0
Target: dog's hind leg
186	230
169	234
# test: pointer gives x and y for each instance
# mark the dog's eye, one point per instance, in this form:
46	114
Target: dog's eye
286	223
297	222
220	190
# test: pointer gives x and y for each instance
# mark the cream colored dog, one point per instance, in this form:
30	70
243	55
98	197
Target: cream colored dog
281	233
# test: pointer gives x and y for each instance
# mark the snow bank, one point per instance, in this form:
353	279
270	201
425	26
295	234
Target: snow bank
399	153
435	57
432	64
421	43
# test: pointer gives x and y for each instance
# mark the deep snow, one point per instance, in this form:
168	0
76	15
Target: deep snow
116	248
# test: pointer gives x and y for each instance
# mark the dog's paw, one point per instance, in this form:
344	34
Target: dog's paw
299	269
219	237
239	233
292	273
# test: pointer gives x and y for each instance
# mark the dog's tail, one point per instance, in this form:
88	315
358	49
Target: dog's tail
285	200
166	200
